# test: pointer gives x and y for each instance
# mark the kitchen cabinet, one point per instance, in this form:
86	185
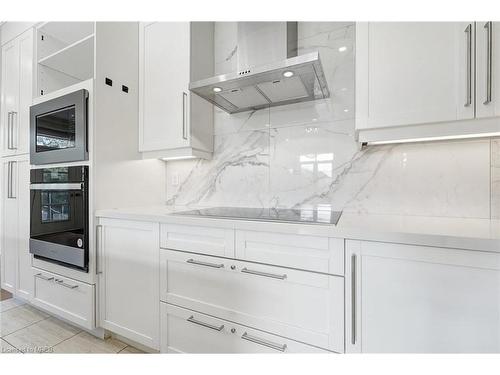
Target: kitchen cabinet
198	239
128	269
17	93
173	122
187	331
405	298
311	253
16	258
418	80
303	306
71	299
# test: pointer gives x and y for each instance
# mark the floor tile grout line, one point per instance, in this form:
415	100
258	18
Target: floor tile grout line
12	308
29	325
118	352
52	347
18	351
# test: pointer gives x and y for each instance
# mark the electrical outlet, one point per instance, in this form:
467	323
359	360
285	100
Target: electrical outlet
175	179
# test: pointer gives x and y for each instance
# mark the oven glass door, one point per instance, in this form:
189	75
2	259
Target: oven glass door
59	216
56	130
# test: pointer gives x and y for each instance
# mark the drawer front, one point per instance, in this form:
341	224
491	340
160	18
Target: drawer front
198	239
304	306
187	331
67	298
320	254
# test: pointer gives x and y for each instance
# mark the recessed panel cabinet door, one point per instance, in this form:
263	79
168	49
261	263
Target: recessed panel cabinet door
10	95
9	222
165	67
414	72
128	263
25	92
487	69
417	299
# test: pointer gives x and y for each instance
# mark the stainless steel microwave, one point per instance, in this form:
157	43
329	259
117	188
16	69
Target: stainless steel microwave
59	130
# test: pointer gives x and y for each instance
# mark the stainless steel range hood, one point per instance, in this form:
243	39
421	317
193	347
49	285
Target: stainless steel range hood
290	79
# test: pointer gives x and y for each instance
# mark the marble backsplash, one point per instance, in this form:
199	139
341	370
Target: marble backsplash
305	154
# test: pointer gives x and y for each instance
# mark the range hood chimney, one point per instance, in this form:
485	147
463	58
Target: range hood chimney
269	71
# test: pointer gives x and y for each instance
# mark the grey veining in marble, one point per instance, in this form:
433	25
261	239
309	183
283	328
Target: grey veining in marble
305	155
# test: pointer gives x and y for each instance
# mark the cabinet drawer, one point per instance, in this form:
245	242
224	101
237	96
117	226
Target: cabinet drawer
320	254
67	298
187	331
198	239
304	306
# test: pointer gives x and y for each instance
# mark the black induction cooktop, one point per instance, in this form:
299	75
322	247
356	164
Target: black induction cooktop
299	216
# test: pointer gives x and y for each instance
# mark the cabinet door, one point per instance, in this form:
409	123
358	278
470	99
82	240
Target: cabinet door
24	273
487	69
403	298
413	73
9	225
22	120
10	95
128	261
164	79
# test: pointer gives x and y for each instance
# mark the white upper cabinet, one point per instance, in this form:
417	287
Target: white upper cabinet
17	93
487	69
418	80
173	123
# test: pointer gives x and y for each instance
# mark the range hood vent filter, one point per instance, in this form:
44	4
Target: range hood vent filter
290	80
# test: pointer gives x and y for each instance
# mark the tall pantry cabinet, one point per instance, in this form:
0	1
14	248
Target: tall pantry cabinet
16	97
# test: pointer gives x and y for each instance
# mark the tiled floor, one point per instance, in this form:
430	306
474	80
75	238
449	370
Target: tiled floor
25	329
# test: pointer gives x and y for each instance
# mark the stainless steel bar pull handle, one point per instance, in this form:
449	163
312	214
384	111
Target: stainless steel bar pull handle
10	178
184	115
353	299
12	133
46	278
488	26
61	282
468	58
98	245
264	274
191	319
263	342
10	126
206	264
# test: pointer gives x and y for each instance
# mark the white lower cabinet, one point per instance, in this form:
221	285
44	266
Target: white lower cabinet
312	253
198	239
70	299
300	305
15	261
128	265
187	331
405	298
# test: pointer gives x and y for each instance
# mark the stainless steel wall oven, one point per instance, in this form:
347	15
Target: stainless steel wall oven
59	230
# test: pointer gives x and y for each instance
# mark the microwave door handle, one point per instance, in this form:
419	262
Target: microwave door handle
57	186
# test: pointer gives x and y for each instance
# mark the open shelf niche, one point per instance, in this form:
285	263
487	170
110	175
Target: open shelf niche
65	55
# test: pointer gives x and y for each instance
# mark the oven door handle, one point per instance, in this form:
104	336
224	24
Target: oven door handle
74	186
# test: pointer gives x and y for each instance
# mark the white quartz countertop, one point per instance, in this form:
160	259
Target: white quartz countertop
460	233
